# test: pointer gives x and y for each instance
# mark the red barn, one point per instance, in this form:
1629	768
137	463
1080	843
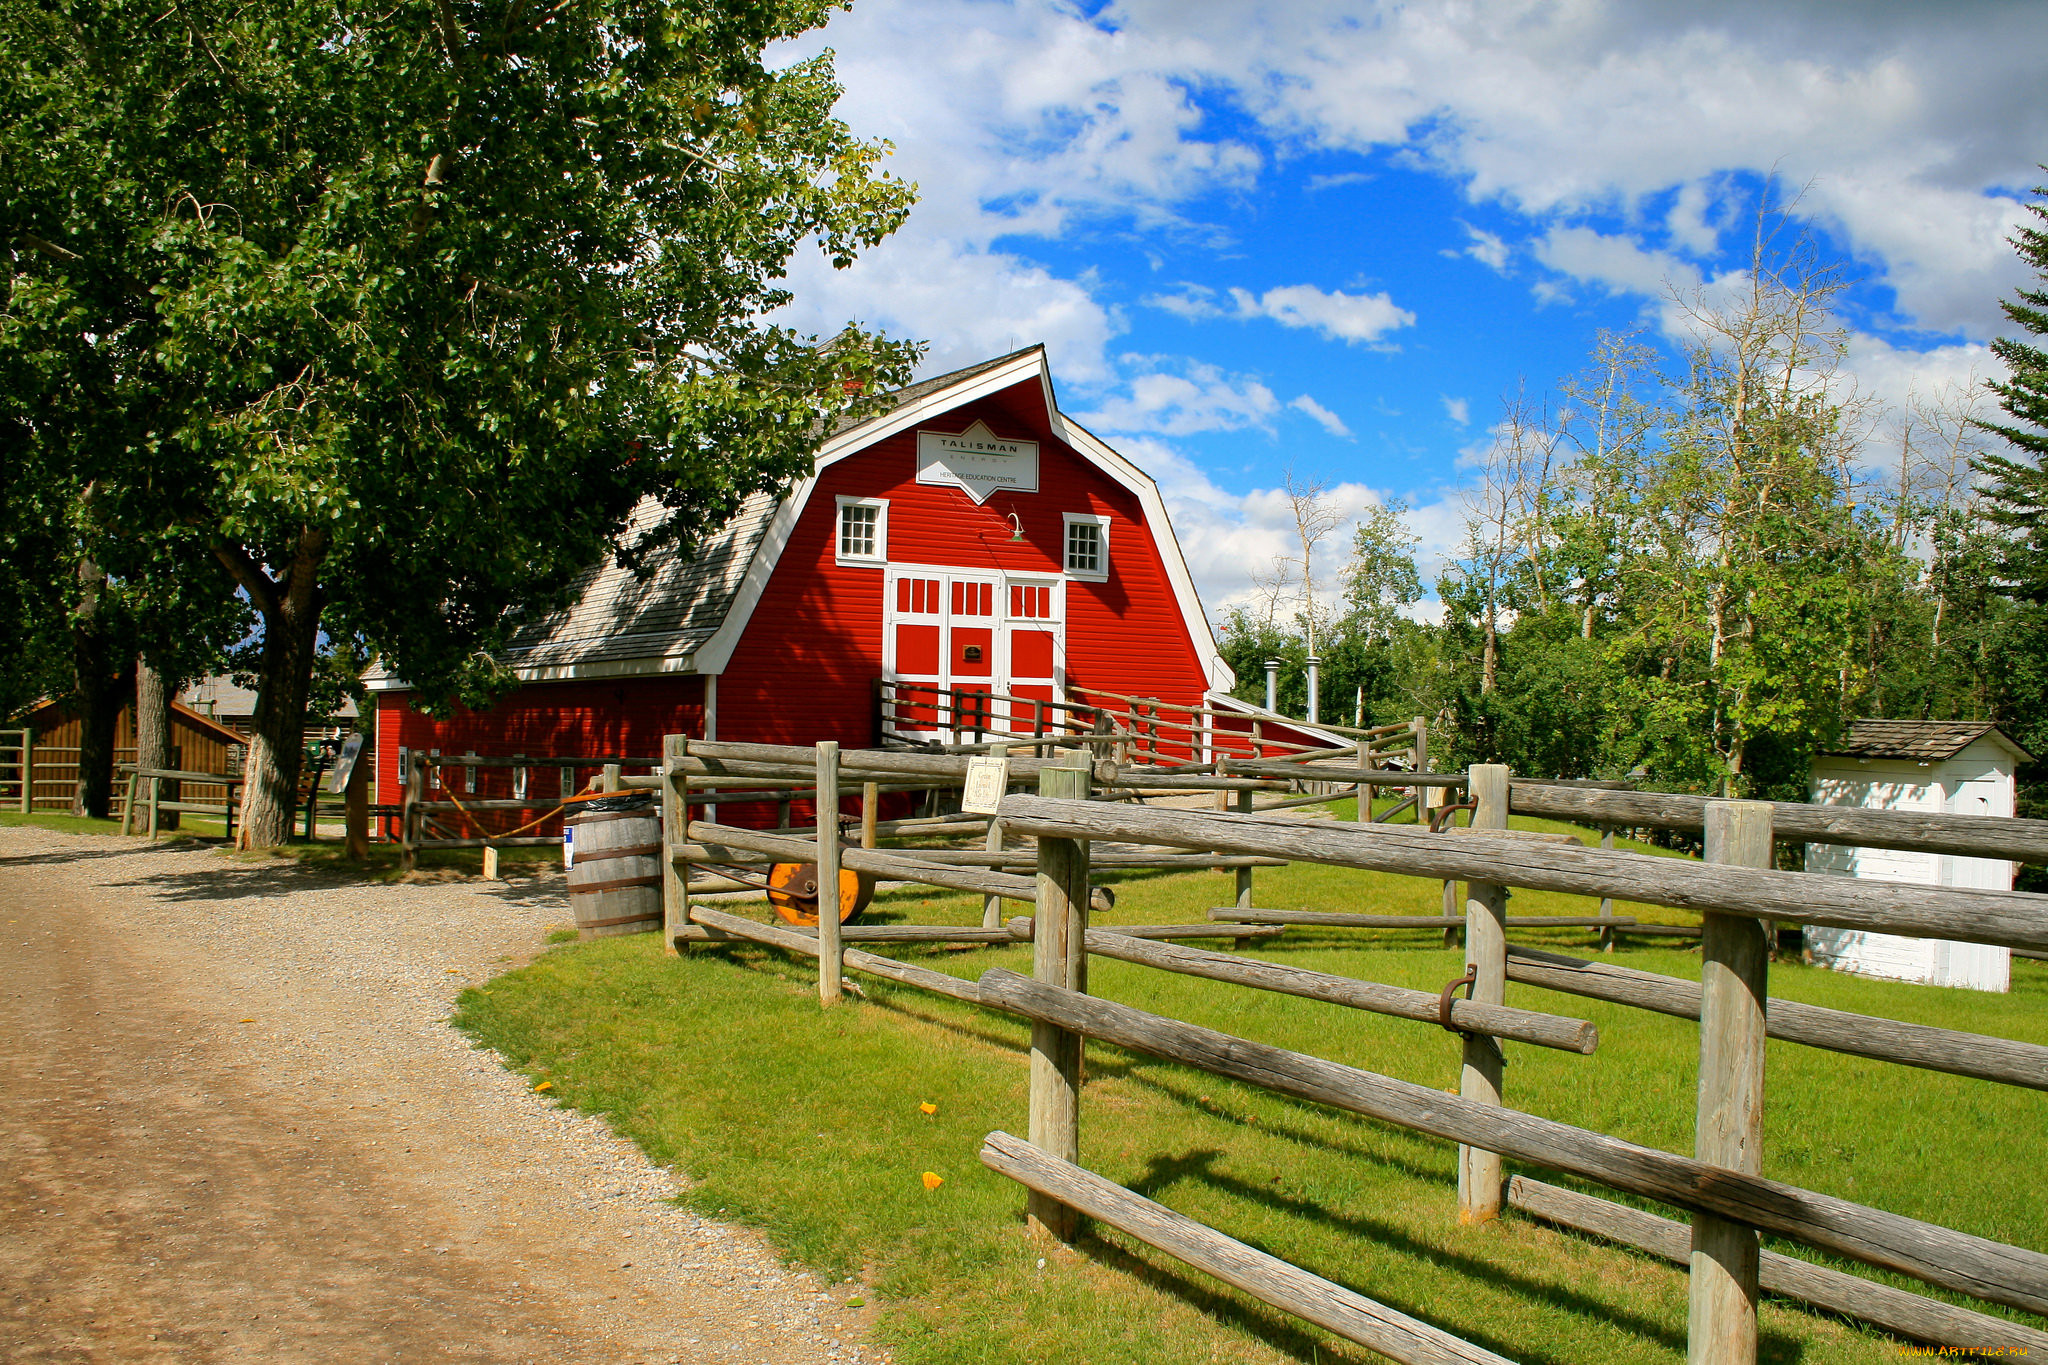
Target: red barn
972	538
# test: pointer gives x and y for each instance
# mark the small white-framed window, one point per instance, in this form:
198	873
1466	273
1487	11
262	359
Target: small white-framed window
863	531
1087	546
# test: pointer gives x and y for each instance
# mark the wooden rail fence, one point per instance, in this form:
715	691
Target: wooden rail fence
1720	1185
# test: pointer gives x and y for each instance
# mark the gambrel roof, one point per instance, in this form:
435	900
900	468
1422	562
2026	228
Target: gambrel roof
688	614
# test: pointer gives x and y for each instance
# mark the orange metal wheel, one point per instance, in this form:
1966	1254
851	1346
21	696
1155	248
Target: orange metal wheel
793	891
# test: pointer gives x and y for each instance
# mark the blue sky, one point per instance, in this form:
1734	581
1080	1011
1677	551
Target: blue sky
1332	236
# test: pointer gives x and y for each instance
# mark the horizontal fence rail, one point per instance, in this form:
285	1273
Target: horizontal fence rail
1896	1310
1859	1035
1972	836
1994	1271
1466	1016
1349	1314
2010	918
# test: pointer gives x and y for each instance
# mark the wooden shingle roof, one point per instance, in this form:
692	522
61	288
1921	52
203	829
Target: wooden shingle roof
1926	741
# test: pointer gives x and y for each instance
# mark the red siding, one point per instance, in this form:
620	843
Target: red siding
804	667
606	717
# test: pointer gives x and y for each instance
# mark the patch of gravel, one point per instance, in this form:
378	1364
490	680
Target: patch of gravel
333	996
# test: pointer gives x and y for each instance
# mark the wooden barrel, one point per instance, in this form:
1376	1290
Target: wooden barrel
615	880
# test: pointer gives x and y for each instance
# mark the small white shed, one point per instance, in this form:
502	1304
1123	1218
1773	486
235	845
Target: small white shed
1931	766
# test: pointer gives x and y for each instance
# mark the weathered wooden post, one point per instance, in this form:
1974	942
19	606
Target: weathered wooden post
870	810
356	809
28	769
1606	902
156	791
1365	790
131	810
1418	730
1244	874
992	906
408	811
1734	971
1059	957
675	831
1486	958
831	960
610	779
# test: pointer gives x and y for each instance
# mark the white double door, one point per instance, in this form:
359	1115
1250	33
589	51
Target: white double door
951	636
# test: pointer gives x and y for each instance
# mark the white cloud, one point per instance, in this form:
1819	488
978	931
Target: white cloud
1459	410
1619	264
1329	421
1489	249
1336	314
1157	400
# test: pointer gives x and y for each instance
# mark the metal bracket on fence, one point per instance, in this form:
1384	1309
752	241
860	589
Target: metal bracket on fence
1450	991
1443	1012
1445	815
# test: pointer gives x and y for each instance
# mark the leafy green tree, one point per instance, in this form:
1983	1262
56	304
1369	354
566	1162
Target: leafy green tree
400	313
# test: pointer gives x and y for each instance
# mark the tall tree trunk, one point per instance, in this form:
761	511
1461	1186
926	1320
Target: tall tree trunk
277	746
291	625
153	748
99	692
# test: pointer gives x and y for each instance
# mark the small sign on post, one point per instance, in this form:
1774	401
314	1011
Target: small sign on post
986	779
345	763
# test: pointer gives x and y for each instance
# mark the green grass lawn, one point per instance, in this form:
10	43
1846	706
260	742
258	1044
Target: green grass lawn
806	1123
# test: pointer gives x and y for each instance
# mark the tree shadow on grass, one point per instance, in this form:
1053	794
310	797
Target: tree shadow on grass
1199	1166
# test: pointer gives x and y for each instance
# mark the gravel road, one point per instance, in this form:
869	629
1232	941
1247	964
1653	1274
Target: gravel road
233	1125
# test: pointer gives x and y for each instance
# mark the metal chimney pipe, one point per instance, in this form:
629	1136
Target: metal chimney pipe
1315	665
1272	684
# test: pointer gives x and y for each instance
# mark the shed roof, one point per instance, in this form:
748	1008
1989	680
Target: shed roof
1928	741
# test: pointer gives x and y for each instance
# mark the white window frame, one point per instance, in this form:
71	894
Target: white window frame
1070	520
881	555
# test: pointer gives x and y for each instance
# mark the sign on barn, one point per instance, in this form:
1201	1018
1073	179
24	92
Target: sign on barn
972	538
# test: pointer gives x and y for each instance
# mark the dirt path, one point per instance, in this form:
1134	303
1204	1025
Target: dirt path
233	1126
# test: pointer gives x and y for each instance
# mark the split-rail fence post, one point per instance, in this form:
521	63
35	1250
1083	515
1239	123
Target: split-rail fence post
675	829
1059	957
355	808
1734	986
408	811
1606	902
1365	792
870	805
609	779
825	802
992	905
1486	958
1244	874
1418	730
156	791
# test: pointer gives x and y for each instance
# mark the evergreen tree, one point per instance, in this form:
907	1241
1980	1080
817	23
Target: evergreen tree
2019	487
